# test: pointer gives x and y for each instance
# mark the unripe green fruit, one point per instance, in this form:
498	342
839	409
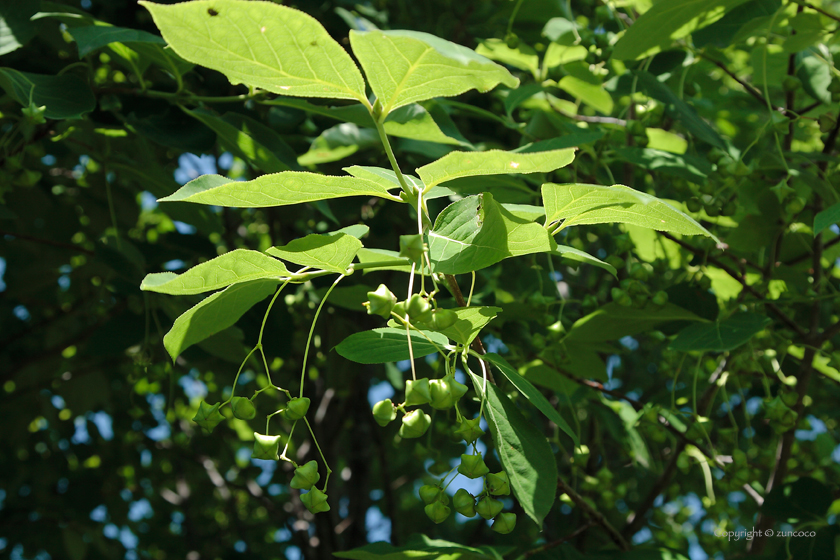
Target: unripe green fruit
384	412
505	523
791	83
381	302
417	392
488	507
306	476
693	204
616	261
498	483
430	494
712	210
266	447
411	247
464	503
243	408
297	408
419	309
716	155
640	271
415	424
511	40
827	122
617	293
795	206
446	392
738	168
437	512
660	298
472	466
729	209
315	501
443	319
642	141
789	398
708	188
208	416
399	310
469	430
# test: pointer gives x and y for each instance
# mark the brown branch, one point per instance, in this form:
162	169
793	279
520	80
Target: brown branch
637	405
557	542
636	520
477	345
593	514
806	256
740	278
808	5
58	244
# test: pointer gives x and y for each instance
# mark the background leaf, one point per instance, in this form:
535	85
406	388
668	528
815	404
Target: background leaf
333	252
613	321
720	336
65	97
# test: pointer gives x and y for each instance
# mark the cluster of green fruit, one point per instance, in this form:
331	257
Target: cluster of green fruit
632	291
440	394
267	446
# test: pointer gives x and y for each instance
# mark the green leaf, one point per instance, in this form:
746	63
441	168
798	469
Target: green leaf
403	67
678	109
524	452
557	54
418	547
262	45
666	22
339	142
613	321
215	313
240	265
470	322
277	189
581	256
492	162
93	37
523	56
826	218
720	336
384	177
688	167
532	394
521	94
249	140
16	29
476	232
577	204
65	97
582	84
388	345
804	499
723	31
333	252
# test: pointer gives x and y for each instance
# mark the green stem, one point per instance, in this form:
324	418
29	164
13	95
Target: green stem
312	330
321	453
391	158
236	379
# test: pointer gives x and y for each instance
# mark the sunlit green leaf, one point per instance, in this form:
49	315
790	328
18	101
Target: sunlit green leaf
470	321
522	56
240	265
264	45
277	189
333	252
408	66
577	204
492	162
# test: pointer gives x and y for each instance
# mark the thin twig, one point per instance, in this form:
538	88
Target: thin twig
594	515
740	278
58	244
557	542
816	9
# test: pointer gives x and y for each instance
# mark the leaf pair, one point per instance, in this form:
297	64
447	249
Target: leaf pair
285	51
